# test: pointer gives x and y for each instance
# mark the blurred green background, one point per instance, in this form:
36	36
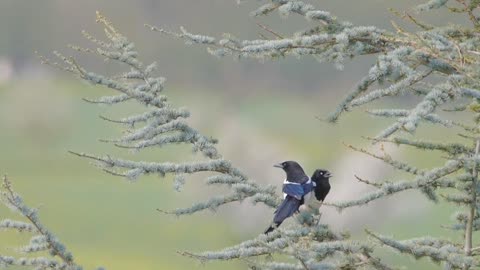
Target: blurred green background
262	113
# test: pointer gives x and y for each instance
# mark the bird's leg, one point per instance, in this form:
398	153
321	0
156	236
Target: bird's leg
316	208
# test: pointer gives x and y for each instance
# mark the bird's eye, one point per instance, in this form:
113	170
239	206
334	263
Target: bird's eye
321	173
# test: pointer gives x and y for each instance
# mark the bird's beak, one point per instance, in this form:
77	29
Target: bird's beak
328	174
278	165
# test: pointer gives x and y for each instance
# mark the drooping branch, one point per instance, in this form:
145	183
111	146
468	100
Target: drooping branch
159	125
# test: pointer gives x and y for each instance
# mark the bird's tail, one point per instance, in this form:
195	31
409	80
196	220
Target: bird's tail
272	227
269	229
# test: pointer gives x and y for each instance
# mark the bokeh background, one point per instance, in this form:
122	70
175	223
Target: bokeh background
262	113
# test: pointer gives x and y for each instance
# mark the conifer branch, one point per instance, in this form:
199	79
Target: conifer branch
301	243
453	149
413	57
43	239
390	161
163	124
435	249
433	178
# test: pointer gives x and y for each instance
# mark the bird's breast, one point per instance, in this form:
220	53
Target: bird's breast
310	202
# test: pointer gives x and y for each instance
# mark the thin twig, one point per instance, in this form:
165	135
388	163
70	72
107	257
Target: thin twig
377	185
304	264
266	28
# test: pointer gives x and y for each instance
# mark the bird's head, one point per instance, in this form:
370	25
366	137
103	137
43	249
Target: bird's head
293	170
320	175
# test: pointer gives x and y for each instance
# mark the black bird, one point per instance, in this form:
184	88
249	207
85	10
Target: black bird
295	187
322	185
320	178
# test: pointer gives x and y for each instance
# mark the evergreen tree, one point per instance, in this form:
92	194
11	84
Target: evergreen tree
436	63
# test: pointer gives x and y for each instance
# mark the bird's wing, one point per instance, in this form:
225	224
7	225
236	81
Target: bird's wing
293	189
286	209
308	187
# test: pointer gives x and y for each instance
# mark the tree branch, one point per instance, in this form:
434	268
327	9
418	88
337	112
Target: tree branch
473	205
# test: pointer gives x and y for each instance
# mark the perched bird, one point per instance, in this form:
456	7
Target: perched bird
320	178
322	184
296	185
